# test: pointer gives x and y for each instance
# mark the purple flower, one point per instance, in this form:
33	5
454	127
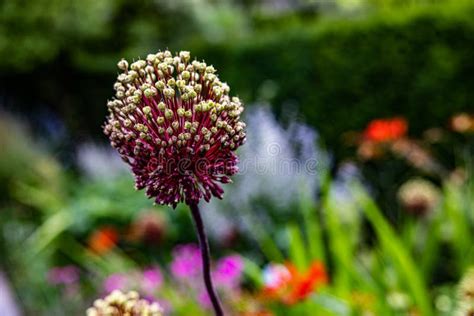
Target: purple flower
152	279
228	271
203	299
186	262
115	281
63	275
173	121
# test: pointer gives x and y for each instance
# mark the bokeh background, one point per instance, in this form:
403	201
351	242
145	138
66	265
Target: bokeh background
373	100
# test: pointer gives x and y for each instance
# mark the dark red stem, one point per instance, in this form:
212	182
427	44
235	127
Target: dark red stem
206	259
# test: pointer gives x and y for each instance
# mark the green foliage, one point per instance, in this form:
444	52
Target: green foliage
414	61
391	271
35	31
92	35
393	247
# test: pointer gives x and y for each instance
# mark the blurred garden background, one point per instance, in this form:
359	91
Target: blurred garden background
372	102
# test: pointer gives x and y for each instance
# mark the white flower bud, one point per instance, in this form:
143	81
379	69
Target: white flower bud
168	92
161	106
185	56
122	65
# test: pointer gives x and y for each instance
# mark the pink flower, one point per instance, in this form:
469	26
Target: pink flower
203	299
115	281
276	275
63	275
186	262
228	271
152	280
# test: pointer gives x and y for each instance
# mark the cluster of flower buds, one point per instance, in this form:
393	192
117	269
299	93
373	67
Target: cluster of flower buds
418	196
463	123
173	121
118	304
466	294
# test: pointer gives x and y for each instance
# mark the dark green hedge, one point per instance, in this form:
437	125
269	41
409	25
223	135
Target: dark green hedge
338	74
419	64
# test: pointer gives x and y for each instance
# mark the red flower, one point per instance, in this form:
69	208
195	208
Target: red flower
292	285
383	130
103	239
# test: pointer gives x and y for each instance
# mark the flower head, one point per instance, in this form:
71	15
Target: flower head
63	275
173	121
466	286
290	285
384	130
103	239
418	196
186	262
149	226
462	123
228	271
276	276
152	279
118	303
466	294
117	281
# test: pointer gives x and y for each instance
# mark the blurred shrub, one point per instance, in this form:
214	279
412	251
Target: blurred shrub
414	61
339	74
23	160
35	31
92	35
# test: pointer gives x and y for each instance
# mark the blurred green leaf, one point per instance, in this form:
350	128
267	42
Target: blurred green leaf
48	232
296	247
393	247
331	305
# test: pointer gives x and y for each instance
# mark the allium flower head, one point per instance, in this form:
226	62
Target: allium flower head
173	121
418	196
466	294
149	227
466	286
462	123
118	303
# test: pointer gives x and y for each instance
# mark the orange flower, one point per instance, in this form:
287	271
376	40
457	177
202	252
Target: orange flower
383	130
103	239
289	285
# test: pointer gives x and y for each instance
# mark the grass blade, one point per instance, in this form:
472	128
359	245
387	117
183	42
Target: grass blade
394	249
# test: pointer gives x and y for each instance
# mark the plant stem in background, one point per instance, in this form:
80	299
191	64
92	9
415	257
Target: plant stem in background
206	260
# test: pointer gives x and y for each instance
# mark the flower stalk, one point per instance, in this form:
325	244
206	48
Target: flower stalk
206	260
173	121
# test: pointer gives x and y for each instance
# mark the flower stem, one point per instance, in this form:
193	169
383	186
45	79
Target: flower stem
206	260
